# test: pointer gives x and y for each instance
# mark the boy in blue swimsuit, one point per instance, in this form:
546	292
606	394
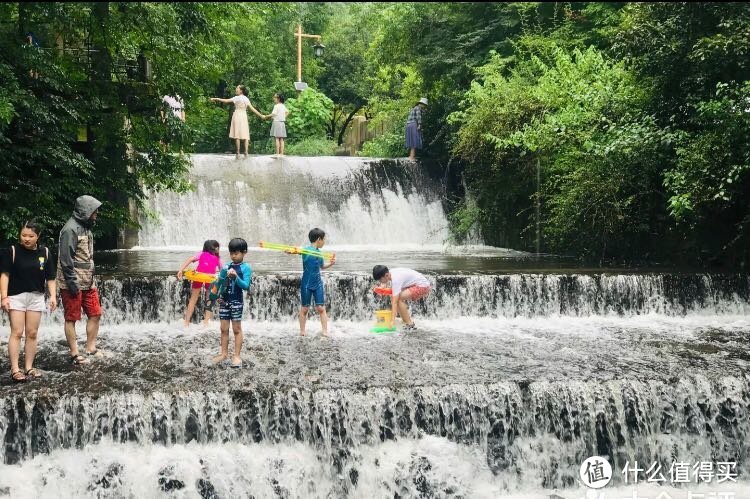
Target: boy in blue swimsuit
234	280
311	286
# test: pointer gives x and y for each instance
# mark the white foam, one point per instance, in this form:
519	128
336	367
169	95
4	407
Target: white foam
441	467
279	199
528	328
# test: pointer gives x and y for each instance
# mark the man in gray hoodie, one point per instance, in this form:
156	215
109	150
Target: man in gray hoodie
75	274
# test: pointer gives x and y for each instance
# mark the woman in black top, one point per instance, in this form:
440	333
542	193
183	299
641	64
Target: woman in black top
24	269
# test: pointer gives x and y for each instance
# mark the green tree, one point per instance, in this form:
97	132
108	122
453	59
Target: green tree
344	77
696	56
50	93
309	114
578	115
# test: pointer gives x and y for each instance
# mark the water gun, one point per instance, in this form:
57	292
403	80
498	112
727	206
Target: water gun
218	286
296	250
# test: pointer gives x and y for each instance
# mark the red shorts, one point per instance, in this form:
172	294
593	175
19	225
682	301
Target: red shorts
199	285
88	300
418	292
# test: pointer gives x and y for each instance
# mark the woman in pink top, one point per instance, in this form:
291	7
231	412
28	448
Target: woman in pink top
208	263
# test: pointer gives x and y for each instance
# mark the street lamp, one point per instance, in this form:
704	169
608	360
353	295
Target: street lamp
317	50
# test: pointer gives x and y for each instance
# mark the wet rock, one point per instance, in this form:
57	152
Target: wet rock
206	489
280	491
167	482
191	427
110	479
419	470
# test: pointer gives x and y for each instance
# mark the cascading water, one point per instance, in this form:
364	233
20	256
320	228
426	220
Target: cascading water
534	433
272	297
357	201
512	380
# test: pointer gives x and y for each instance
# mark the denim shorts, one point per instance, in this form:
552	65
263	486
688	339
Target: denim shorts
308	294
231	310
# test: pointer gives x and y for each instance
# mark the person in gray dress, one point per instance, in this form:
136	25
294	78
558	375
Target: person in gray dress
278	126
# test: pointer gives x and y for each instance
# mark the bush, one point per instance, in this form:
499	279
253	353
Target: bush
310	147
388	145
209	122
309	114
579	118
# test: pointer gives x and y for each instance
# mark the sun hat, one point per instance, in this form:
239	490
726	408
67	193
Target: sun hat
423	100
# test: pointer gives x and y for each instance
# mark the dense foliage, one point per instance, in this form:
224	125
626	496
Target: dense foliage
309	114
74	81
626	125
601	130
79	114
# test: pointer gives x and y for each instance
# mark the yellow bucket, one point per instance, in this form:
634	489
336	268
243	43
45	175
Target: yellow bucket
383	318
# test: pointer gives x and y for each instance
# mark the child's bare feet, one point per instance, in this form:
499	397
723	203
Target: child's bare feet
324	336
302	333
236	361
219	358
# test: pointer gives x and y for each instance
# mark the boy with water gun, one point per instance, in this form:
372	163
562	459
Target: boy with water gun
311	286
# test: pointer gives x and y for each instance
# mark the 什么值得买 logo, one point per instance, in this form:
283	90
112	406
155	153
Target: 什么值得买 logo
595	472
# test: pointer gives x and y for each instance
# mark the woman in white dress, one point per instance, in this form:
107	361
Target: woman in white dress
240	130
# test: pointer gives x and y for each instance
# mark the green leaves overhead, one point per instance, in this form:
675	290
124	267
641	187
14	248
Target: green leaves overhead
634	116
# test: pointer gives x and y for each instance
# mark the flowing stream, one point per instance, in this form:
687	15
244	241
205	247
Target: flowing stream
513	378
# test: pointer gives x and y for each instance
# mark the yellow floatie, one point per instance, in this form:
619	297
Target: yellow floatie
202	277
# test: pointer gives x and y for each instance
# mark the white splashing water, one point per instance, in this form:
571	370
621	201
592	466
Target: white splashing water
539	425
426	467
281	200
362	205
134	300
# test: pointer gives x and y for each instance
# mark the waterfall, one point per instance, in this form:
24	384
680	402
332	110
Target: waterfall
528	434
510	381
356	201
132	300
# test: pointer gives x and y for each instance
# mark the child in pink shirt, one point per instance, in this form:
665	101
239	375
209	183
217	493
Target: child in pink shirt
208	263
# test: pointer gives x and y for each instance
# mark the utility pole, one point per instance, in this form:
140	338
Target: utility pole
317	50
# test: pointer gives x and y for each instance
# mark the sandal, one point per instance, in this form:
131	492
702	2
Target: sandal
33	373
18	376
79	359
